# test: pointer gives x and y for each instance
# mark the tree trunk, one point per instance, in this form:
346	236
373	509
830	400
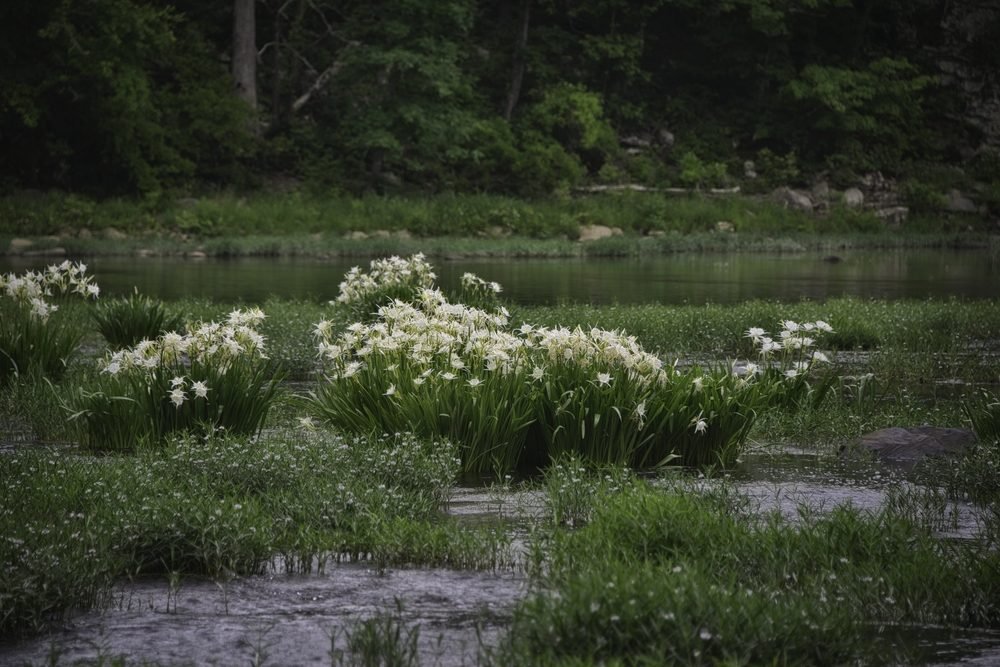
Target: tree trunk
520	61
245	51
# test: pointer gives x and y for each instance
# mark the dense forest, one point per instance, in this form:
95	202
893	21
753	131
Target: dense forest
527	97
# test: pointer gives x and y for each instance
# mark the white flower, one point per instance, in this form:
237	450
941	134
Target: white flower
177	382
819	356
755	333
200	389
496	287
790	325
391	390
698	382
307	423
419	381
537	373
791	373
475	382
823	326
604	378
640	411
93	290
700	426
177	397
448	375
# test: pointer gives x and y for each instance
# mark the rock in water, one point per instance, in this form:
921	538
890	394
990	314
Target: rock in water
908	446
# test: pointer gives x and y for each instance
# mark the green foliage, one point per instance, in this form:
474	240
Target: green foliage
30	346
124	322
697	174
671	573
155	111
874	114
774	170
216	506
923	198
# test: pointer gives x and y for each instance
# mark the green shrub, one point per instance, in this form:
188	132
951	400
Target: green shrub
697	174
124	322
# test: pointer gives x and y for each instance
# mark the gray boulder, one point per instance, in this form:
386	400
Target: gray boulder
793	199
959	203
908	446
854	198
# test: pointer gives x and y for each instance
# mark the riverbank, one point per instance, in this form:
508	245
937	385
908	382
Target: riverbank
610	224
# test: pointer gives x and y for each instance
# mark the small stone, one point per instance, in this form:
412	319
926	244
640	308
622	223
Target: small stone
113	234
724	226
19	245
381	234
187	202
196	254
356	236
403	234
144	252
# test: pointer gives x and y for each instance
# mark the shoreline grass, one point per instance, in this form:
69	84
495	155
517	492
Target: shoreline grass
304	225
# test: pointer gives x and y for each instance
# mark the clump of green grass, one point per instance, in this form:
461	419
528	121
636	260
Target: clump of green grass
222	507
668	575
127	321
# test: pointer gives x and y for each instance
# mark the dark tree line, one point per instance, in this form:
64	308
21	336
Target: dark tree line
520	96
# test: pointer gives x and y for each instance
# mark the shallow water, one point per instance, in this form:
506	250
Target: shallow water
685	278
285	619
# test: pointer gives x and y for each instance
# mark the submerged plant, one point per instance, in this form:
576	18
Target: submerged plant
29	341
126	322
215	378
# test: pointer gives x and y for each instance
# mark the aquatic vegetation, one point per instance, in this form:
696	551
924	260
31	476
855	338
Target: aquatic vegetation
215	378
387	279
29	341
664	574
127	321
983	410
221	507
521	396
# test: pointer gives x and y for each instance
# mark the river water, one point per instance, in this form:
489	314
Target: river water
684	278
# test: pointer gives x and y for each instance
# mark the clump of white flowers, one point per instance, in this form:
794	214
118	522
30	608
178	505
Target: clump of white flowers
386	274
436	339
208	343
793	352
33	288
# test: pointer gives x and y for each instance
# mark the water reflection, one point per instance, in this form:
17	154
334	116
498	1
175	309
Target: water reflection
686	278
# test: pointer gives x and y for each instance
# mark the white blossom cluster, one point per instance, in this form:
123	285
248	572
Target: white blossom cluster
394	271
444	340
33	288
794	344
472	282
209	343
